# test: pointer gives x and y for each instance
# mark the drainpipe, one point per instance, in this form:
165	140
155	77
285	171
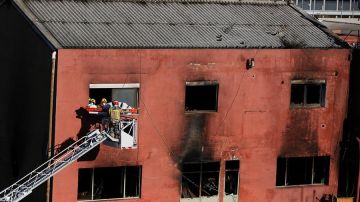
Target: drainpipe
51	114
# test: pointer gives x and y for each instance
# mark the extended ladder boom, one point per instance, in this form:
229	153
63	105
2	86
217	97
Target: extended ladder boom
25	185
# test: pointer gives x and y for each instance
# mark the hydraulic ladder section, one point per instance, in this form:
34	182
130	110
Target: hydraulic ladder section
24	186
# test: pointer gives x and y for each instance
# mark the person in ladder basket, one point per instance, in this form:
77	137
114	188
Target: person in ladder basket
92	103
107	124
115	112
105	106
105	120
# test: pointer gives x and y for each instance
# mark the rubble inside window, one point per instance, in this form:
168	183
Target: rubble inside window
200	179
109	183
308	93
201	96
231	177
302	170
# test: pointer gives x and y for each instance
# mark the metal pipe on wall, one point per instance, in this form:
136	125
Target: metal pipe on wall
51	113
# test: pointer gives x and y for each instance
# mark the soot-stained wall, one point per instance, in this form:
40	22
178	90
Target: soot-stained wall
25	63
254	121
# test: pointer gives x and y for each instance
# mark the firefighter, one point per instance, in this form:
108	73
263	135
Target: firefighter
105	105
103	101
92	103
105	120
114	113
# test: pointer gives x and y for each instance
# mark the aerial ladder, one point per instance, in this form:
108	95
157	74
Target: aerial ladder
35	178
24	186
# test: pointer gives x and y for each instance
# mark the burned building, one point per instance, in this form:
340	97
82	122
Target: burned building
238	101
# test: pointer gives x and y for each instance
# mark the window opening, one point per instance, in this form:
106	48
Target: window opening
231	177
297	94
321	170
210	179
105	186
302	170
200	179
201	96
313	95
299	170
109	183
308	93
99	93
132	187
85	184
128	93
117	119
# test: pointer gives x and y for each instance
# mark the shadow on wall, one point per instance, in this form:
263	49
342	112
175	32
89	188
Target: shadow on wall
88	121
62	146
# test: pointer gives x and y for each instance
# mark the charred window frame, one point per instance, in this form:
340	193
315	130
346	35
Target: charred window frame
201	96
126	92
302	171
200	179
109	183
232	177
308	93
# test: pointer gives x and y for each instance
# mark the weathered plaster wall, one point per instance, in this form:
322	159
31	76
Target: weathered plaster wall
254	122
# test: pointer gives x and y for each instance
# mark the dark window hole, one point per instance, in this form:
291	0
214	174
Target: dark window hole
201	97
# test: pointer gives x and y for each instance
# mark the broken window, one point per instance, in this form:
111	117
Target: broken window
231	177
128	93
201	96
308	93
109	183
200	179
302	170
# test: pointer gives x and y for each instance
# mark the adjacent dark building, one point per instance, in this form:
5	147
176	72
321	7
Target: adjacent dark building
25	61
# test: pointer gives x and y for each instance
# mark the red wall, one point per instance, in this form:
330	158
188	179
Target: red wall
254	122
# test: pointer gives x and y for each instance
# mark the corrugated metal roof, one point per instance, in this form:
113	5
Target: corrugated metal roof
175	24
